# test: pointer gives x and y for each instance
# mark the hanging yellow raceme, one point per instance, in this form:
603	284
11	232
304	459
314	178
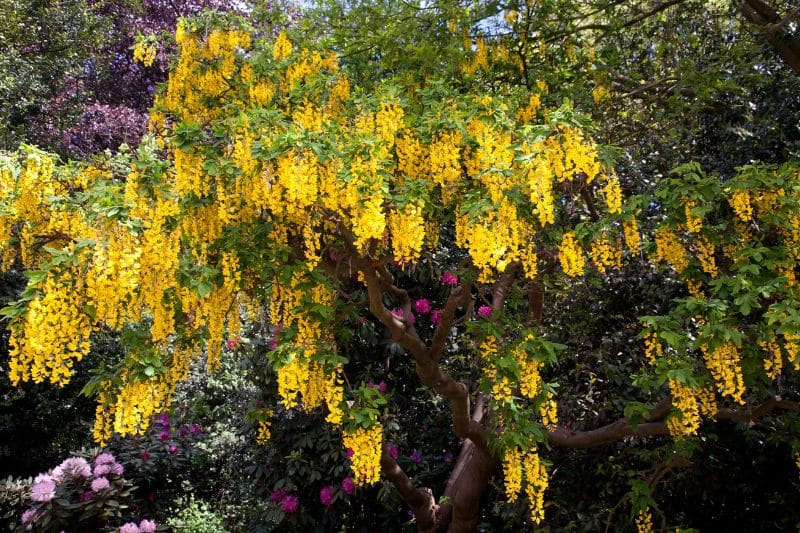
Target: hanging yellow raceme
364	450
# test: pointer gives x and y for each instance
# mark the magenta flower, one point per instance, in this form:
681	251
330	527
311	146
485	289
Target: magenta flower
184	432
326	495
383	387
194	429
436	317
164	436
422	307
393	451
272	343
349	453
232	343
348	486
87	495
290	504
163	419
398	312
416	457
277	496
147	526
448	457
99	484
485	311
173	449
448	278
145	455
44	491
130	527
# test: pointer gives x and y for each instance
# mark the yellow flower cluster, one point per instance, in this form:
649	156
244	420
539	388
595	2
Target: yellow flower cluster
480	59
605	254
445	160
53	335
548	410
366	445
530	379
413	159
705	254
536	483
512	473
569	154
644	521
388	121
540	185
494	241
283	47
725	366
773	362
570	255
694	223
263	435
613	195
145	53
652	347
600	93
630	230
515	466
407	228
669	249
740	202
527	113
684	400
113	276
136	404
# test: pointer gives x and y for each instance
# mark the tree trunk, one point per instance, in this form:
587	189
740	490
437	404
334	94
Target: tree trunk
462	495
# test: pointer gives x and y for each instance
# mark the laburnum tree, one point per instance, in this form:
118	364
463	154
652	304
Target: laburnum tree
275	191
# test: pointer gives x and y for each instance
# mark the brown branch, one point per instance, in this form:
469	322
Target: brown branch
768	21
503	285
535	303
595	216
421	500
427	368
655	426
750	416
459	297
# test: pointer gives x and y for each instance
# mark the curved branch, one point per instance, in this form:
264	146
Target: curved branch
421	500
459	297
427	368
655	426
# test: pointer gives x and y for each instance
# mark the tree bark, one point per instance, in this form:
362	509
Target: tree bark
770	28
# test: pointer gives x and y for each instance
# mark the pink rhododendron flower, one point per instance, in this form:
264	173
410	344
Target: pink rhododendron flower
99	484
277	495
436	317
484	311
130	527
422	307
101	469
290	504
448	278
105	458
382	387
393	451
348	486
72	467
44	491
147	526
326	495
